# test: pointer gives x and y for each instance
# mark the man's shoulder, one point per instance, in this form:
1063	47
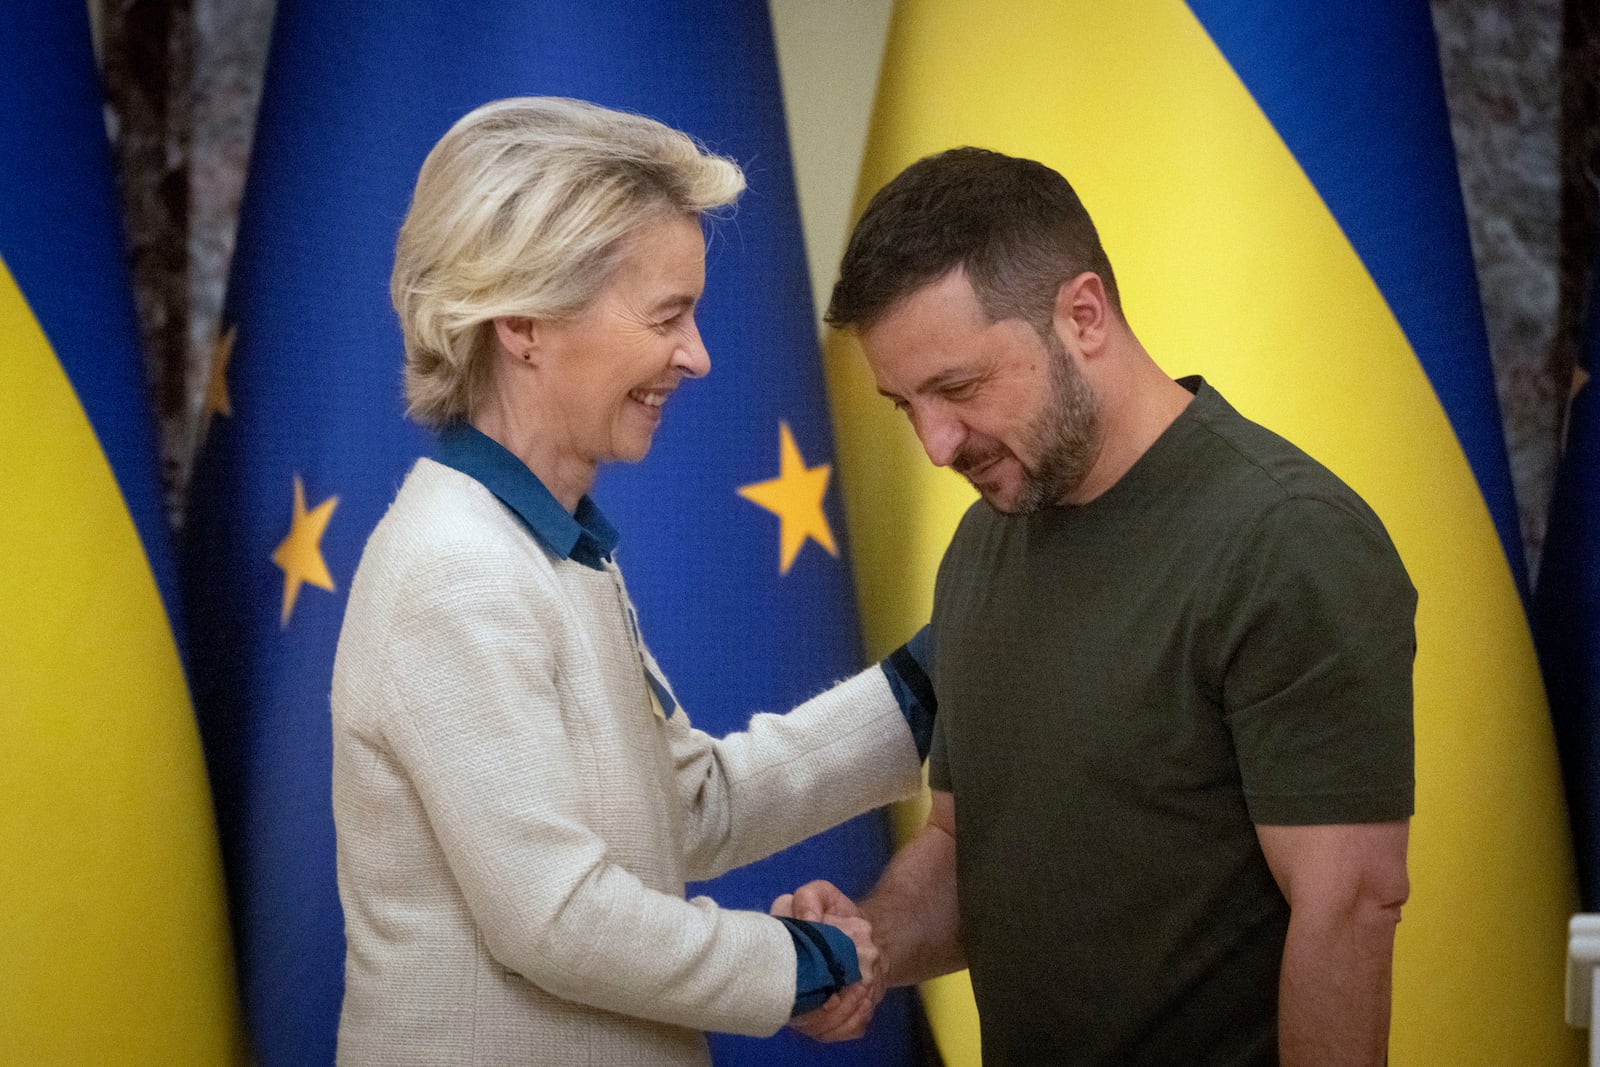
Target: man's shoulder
1291	510
1259	465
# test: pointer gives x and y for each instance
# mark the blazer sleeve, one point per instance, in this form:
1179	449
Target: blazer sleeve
476	723
787	777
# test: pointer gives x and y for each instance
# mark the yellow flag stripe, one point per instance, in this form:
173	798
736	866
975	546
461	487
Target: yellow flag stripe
114	945
1230	265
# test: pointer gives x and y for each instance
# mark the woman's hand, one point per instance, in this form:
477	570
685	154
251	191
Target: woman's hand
845	1015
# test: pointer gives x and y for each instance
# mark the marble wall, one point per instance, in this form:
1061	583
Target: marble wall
1502	74
184	81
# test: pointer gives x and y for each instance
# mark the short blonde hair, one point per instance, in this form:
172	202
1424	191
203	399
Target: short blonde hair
523	208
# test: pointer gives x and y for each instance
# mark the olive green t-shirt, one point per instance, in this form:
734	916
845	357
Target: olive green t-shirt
1224	638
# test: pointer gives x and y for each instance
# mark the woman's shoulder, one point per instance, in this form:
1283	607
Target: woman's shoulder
444	524
439	508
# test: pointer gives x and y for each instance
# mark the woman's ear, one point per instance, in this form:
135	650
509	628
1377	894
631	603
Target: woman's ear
518	337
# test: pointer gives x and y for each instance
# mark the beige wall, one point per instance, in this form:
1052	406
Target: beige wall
828	57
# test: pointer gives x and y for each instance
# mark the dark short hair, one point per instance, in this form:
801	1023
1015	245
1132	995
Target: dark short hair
1014	225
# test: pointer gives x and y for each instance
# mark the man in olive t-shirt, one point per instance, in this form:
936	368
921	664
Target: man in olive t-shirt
1172	768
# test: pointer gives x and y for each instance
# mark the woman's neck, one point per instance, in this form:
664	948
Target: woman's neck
527	437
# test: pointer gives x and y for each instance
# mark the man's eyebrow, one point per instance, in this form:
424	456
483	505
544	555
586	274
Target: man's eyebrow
937	381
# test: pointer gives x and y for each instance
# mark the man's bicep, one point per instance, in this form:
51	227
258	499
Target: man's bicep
1335	866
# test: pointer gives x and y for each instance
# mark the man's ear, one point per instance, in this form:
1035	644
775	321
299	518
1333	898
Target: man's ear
518	338
1083	311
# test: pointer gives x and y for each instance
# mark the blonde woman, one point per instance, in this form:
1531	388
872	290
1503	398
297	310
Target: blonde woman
518	796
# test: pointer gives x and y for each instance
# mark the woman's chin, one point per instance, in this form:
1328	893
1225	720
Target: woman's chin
633	448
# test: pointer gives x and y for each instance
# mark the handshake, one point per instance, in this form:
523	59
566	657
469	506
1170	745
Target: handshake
846	1014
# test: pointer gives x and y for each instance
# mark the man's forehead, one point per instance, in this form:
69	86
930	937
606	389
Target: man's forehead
941	305
904	365
951	287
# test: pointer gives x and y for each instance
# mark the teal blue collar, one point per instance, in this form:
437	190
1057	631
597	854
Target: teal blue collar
583	536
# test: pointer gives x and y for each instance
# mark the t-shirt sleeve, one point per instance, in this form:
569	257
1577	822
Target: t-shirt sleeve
1317	689
939	760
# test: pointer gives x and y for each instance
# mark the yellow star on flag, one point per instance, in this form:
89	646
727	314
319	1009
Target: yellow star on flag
795	496
299	555
217	401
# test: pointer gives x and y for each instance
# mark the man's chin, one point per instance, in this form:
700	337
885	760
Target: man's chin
1009	506
1020	498
1001	498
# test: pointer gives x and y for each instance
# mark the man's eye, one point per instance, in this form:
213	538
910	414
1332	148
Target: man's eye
959	390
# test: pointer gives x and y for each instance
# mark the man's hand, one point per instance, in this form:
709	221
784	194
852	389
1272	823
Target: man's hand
816	902
845	1015
916	933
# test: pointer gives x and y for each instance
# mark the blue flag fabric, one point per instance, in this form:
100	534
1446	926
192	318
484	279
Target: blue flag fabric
1567	607
306	446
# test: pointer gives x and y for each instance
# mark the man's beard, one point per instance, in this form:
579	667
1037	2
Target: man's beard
1064	439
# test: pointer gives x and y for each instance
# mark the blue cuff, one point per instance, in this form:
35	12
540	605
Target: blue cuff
825	962
908	668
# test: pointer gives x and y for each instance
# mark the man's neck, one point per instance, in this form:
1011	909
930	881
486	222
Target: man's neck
1136	407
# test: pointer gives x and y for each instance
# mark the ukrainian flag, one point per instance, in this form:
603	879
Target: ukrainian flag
114	945
1276	187
731	532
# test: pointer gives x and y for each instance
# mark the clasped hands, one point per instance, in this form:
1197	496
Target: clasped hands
845	1015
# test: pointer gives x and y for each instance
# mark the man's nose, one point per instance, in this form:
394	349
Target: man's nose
941	435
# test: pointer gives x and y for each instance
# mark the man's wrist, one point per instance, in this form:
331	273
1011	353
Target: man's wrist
872	912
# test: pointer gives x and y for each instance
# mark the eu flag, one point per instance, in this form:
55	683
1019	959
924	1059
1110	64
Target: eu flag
114	942
1567	606
1275	185
731	534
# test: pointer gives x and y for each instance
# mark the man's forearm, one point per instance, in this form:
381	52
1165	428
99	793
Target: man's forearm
1334	992
913	910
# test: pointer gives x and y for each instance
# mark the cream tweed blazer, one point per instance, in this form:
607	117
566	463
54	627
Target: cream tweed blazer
516	821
